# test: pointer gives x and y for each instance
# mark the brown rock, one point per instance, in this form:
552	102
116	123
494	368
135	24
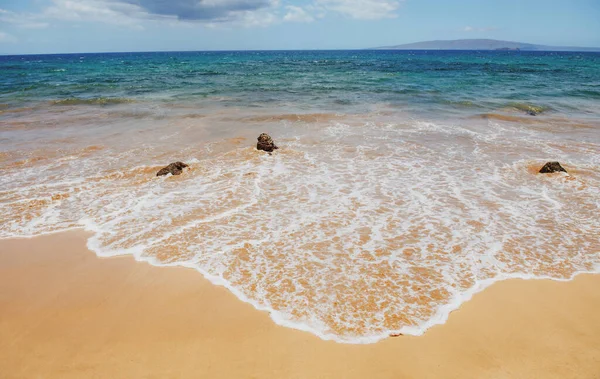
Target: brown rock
173	169
552	167
265	143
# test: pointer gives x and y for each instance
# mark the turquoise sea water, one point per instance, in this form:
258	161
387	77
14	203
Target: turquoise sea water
430	81
405	181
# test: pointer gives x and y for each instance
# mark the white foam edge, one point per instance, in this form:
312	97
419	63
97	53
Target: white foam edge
439	318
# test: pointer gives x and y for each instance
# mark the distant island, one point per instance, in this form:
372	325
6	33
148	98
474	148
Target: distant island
482	44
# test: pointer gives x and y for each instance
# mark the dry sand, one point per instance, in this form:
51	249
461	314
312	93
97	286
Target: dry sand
64	313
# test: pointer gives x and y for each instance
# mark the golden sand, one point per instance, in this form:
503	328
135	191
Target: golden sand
64	313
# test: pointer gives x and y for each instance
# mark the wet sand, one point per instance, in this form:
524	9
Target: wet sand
65	313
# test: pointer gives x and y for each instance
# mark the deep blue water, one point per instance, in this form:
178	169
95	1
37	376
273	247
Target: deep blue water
476	81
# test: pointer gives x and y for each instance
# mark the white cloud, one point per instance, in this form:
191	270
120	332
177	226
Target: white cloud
362	9
297	14
7	38
105	11
261	18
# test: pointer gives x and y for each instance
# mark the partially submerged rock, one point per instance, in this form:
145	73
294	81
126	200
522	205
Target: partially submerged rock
551	167
175	168
532	112
265	143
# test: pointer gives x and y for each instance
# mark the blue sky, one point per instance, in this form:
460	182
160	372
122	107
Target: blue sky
62	26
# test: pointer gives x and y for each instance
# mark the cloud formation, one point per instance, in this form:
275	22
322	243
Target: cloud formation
137	13
106	11
362	9
134	12
199	10
297	14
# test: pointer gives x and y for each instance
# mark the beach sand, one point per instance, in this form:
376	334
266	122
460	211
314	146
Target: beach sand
65	313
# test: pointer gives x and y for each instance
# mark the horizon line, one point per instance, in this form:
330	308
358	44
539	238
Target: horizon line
385	48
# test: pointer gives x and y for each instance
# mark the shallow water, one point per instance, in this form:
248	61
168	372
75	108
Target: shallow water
396	194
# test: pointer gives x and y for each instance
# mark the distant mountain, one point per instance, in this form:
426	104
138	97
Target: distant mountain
483	44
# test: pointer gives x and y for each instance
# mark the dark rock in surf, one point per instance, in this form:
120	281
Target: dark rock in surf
173	169
551	167
532	112
265	143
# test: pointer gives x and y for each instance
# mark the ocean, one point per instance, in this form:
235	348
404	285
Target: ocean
405	182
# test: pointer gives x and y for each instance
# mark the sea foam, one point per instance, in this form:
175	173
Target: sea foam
352	230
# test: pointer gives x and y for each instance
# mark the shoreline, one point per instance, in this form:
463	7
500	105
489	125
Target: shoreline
438	319
70	313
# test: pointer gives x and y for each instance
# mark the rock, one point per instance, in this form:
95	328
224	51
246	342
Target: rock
552	167
173	169
396	334
265	143
532	110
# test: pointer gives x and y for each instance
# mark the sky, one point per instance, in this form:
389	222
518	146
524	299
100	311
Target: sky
79	26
